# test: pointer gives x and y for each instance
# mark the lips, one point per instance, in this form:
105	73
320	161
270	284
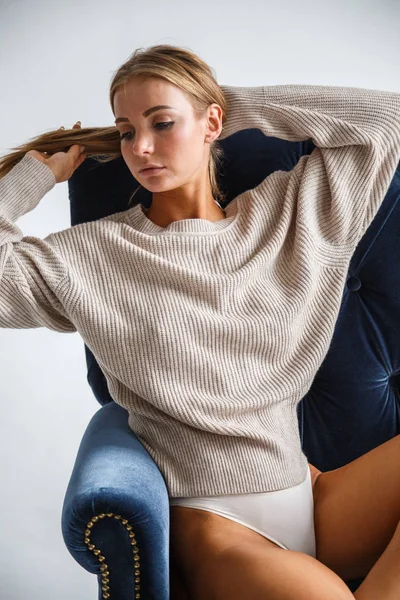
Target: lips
151	171
151	166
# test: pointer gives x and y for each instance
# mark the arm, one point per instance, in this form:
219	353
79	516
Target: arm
357	134
32	272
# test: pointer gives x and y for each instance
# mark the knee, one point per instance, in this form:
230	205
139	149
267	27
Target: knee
319	581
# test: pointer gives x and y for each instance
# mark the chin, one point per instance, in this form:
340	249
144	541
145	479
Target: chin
157	187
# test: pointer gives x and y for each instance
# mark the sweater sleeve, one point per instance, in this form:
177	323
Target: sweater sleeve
340	186
32	271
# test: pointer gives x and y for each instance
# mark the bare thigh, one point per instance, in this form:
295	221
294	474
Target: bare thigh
357	510
255	570
221	559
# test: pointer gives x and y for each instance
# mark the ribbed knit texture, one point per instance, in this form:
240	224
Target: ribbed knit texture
210	333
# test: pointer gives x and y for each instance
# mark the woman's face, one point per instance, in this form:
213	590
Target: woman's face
170	137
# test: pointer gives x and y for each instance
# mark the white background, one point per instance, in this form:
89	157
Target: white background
57	61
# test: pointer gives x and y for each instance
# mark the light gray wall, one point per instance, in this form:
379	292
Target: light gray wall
57	60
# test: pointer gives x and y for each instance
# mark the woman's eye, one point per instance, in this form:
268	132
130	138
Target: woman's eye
123	136
164	125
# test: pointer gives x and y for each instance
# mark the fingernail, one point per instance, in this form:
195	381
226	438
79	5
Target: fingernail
82	148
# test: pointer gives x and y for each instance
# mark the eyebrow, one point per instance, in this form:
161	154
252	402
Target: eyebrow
146	113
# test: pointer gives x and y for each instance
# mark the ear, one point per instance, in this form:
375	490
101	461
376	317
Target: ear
214	123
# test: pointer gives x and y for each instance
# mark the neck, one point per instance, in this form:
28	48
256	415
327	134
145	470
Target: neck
212	213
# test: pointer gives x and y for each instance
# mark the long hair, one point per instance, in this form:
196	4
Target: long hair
180	67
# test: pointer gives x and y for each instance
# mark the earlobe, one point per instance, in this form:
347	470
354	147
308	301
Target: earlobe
211	138
214	131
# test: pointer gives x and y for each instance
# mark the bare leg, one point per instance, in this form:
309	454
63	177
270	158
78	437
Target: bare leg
178	589
253	572
383	580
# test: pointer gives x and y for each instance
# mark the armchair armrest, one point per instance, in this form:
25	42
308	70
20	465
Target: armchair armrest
115	515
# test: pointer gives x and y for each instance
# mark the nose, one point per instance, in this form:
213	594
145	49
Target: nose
141	144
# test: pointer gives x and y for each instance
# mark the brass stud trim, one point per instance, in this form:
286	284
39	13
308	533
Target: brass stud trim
105	574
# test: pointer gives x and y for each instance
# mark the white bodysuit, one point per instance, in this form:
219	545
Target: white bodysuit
285	517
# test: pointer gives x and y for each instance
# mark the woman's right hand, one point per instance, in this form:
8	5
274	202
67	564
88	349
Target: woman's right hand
62	164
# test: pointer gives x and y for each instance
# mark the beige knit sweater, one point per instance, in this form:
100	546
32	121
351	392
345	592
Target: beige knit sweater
210	333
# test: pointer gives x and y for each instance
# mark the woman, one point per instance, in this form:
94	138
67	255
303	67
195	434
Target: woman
237	309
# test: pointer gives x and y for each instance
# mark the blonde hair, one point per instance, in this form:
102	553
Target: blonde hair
180	67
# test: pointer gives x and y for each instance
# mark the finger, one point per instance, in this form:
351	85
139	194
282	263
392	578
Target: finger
80	160
76	150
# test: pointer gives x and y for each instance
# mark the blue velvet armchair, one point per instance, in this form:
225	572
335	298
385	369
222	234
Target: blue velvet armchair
115	516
